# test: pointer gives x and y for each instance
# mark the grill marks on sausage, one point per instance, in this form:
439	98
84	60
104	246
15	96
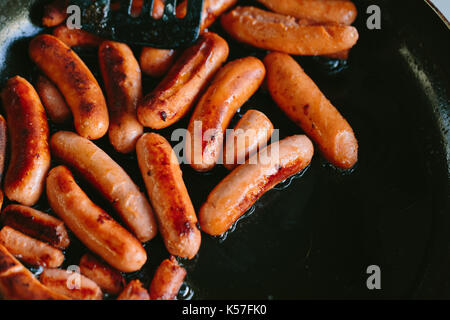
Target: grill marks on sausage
28	132
36	224
177	211
116	77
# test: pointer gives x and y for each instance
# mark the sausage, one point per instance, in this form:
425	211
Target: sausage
156	62
273	31
237	192
18	283
233	85
107	278
168	195
251	133
167	280
93	226
29	250
1	198
36	224
28	133
76	37
54	103
303	102
325	11
76	83
75	286
3	140
122	80
109	179
55	13
179	89
134	291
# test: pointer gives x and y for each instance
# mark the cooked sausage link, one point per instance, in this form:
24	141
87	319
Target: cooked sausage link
251	133
237	192
29	250
277	32
168	195
122	80
134	291
107	278
326	11
18	283
299	97
73	285
54	103
109	179
76	83
28	134
156	62
76	37
180	88
36	224
167	280
93	226
232	86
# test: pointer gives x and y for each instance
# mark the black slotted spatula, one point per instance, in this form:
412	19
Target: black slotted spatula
168	32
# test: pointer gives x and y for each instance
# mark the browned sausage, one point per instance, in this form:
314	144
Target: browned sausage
156	62
93	226
108	279
36	224
251	133
18	283
167	280
233	85
29	250
28	133
134	291
273	31
177	92
1	198
3	139
109	179
235	194
75	286
55	13
299	97
122	80
326	11
75	81
76	37
53	101
168	195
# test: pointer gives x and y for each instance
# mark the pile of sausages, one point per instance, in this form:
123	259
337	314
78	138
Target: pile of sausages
198	78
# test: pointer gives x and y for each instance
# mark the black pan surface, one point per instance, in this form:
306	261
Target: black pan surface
314	236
